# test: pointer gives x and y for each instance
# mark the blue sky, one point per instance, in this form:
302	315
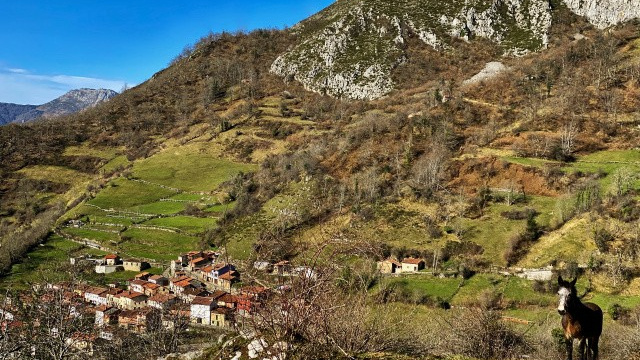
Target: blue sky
48	47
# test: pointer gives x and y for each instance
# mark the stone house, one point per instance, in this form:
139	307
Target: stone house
389	266
93	295
162	301
201	308
130	300
135	265
412	264
222	318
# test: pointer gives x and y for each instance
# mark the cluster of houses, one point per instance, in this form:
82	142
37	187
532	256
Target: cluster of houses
112	263
407	265
198	290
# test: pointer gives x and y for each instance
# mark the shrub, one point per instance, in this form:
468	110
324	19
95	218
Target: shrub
482	334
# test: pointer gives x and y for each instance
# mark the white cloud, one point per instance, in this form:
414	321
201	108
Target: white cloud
22	87
18	71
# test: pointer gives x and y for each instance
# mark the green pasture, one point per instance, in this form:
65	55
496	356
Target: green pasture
98	236
428	285
45	263
159	208
187	223
472	288
527	161
192	197
221	208
156	244
113	164
188	170
105	219
125	194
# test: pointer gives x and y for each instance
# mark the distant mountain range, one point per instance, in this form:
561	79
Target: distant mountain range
69	103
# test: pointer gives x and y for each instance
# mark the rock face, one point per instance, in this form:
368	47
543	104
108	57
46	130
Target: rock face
350	48
605	13
9	112
491	70
69	103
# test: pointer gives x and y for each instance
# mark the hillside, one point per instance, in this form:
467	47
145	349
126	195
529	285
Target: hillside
532	163
9	112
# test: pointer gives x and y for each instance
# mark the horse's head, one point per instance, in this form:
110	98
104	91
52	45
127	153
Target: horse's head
567	293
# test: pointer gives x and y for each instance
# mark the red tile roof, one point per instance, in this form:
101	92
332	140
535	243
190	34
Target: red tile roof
201	300
227	299
231	275
130	294
183	283
96	290
111	256
162	298
151	286
198	260
412	261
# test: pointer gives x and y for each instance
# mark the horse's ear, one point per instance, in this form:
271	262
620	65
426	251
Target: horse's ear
573	282
560	281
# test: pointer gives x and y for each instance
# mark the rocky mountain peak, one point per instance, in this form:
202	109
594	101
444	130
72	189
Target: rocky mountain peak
69	103
350	49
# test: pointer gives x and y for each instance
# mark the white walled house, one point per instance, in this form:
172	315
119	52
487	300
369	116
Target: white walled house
201	308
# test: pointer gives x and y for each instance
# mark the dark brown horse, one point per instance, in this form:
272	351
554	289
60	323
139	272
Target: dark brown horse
582	321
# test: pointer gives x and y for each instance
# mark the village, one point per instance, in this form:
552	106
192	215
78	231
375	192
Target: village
198	289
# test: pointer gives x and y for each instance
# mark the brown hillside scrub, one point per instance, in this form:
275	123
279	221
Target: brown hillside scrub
493	172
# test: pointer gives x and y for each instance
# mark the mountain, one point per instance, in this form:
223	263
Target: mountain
474	160
9	112
69	103
351	48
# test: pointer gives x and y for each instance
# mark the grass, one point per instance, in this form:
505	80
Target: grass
221	208
569	243
116	162
188	170
160	208
245	231
187	223
87	150
608	162
191	197
476	285
99	236
520	291
110	220
44	263
157	245
429	285
124	194
532	162
58	174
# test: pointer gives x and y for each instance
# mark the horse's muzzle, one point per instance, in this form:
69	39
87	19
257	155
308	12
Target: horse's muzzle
561	312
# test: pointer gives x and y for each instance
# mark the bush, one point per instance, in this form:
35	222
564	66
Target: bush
519	214
616	311
482	334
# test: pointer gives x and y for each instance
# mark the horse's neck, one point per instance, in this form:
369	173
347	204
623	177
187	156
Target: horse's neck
577	308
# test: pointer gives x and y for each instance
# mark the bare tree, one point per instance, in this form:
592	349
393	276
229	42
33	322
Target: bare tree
428	171
52	325
568	138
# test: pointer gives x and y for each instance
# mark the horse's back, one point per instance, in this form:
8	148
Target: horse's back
596	318
594	308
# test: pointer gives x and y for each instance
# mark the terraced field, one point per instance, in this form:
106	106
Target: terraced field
158	211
